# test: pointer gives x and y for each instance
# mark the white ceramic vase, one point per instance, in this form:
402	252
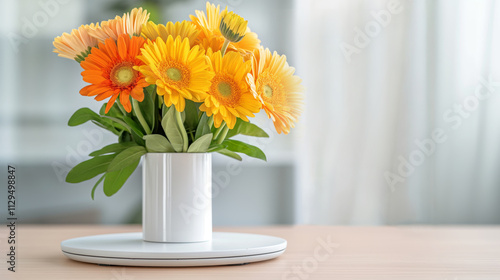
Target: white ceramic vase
177	205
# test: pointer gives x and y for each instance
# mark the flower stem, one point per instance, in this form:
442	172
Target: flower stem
139	115
223	134
182	129
211	122
224	46
218	131
120	106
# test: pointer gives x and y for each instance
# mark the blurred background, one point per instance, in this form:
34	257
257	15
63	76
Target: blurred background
401	122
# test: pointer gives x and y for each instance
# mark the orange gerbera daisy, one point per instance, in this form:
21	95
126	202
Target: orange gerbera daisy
230	96
184	29
179	72
130	23
277	88
76	45
211	37
110	71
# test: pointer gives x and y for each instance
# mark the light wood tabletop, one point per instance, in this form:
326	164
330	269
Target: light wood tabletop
314	252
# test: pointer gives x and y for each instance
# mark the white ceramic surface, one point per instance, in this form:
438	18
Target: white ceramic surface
177	204
129	249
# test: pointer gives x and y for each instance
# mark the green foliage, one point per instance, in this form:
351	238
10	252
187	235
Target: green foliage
203	127
172	130
156	143
201	145
114	180
148	106
191	116
246	128
95	186
126	158
113	148
247	149
156	129
89	169
83	115
229	153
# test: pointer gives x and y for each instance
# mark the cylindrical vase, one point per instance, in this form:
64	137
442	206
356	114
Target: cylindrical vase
177	205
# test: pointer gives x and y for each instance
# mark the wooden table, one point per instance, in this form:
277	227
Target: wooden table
314	252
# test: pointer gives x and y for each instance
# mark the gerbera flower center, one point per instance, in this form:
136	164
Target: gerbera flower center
175	73
225	90
268	91
122	74
271	88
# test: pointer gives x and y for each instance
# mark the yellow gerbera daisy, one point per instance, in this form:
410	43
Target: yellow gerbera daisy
230	96
277	88
184	29
210	35
76	45
179	72
130	23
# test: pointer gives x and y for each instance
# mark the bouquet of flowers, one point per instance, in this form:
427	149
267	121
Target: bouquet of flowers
184	87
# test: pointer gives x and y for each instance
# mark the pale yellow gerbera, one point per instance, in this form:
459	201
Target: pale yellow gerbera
179	72
210	35
76	45
279	91
230	95
130	23
184	29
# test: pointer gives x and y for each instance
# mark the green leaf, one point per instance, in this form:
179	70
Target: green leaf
172	130
114	180
156	143
113	148
107	126
89	169
230	154
138	139
134	126
148	106
164	110
119	121
216	148
95	186
103	109
81	116
114	111
203	127
201	145
246	128
247	149
126	158
191	112
125	137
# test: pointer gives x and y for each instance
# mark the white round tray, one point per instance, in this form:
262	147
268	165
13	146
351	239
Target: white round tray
128	249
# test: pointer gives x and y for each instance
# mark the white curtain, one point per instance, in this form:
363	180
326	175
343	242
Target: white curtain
399	89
